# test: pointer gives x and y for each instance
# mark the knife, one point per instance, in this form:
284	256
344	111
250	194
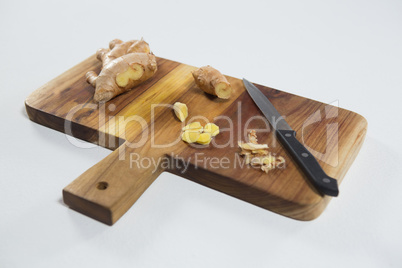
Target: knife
287	136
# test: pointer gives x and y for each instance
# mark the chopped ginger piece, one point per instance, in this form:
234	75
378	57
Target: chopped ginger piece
181	111
204	138
211	128
195	126
194	132
190	136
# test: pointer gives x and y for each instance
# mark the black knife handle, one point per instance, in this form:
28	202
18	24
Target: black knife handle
323	183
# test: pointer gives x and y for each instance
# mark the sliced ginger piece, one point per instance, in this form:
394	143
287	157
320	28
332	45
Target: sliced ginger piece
180	110
211	128
204	138
195	126
190	136
133	73
194	132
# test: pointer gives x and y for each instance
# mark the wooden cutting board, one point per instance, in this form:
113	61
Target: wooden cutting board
145	140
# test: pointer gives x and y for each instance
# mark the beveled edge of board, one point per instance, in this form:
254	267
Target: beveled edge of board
270	202
78	131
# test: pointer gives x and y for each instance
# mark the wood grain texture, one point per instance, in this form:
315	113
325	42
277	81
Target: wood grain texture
108	189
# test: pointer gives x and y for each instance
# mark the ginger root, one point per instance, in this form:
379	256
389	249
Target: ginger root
118	48
125	65
211	81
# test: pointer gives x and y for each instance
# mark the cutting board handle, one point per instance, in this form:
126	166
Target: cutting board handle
108	189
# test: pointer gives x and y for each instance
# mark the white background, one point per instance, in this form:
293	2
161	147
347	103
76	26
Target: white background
348	51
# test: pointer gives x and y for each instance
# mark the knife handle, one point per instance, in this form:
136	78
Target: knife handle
323	183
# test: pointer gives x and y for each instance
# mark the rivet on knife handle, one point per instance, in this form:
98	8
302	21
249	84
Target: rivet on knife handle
322	182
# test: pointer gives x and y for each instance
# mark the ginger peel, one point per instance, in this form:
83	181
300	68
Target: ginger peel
256	154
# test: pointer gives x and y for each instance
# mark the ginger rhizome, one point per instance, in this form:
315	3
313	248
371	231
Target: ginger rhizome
257	154
125	65
211	81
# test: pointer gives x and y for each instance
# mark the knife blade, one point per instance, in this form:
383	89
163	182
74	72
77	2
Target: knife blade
287	136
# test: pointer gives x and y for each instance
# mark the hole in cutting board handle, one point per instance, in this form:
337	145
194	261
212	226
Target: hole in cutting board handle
102	185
